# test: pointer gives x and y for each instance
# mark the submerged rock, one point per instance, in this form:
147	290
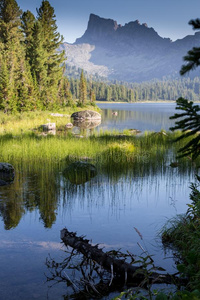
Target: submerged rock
7	173
80	172
134	131
86	115
2	182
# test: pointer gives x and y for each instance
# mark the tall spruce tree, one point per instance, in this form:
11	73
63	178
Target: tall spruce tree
28	21
13	62
52	60
82	89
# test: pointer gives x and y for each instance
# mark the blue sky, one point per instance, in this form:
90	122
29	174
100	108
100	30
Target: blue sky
169	18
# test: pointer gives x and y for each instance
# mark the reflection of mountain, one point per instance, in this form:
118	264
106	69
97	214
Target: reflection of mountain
152	117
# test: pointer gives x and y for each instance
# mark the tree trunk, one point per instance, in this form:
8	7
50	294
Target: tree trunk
117	267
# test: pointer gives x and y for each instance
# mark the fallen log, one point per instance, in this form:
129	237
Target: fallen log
117	267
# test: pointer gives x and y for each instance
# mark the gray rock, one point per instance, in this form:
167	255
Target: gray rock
69	125
59	115
86	115
80	172
134	131
2	182
7	173
48	126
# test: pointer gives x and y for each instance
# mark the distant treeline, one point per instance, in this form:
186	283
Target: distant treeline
131	92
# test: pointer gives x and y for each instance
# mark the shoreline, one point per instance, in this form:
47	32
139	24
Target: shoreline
138	102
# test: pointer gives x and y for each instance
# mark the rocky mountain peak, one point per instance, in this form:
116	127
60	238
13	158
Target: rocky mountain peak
130	52
100	31
98	28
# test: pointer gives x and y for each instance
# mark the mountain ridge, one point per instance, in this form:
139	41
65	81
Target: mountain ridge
132	52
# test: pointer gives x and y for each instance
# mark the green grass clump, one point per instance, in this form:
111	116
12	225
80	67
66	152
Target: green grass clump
183	233
119	153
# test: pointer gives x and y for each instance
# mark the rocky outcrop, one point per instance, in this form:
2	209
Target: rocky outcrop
86	115
98	29
7	173
80	172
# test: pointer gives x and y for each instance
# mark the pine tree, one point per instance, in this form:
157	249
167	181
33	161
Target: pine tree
28	21
4	84
82	89
193	56
190	118
190	125
13	55
50	41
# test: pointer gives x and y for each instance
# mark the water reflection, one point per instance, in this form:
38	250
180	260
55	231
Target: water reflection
89	124
41	202
142	116
44	189
33	188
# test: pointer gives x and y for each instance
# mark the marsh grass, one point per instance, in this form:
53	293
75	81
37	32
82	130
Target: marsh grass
111	151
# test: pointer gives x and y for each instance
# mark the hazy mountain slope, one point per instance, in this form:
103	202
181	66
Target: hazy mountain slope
132	52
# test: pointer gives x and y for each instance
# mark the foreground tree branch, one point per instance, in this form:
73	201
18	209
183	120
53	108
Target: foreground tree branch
117	267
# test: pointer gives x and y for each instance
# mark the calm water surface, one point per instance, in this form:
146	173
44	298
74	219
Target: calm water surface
41	202
142	116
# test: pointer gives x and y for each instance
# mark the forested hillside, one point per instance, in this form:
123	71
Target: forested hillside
131	92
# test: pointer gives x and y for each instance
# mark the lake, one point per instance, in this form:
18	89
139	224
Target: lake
41	202
141	116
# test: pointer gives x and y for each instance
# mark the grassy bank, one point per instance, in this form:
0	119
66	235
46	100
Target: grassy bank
27	121
183	234
20	140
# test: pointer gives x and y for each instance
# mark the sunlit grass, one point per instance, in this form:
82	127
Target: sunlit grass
110	150
27	121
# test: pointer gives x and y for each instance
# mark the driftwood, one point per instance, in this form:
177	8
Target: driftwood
117	267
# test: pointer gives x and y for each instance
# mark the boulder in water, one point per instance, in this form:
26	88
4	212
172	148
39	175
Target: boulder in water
80	172
7	173
86	115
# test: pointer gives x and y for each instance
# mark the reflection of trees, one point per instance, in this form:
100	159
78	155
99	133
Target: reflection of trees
38	186
34	188
41	193
86	279
11	211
